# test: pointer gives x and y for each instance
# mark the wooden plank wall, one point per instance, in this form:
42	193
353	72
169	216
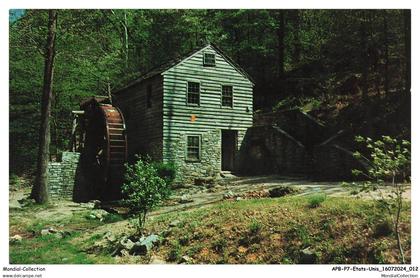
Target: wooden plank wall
210	114
144	125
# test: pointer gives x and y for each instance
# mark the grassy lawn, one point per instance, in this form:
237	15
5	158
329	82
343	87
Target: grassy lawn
273	231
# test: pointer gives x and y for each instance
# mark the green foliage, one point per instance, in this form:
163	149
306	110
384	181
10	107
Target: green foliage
175	253
255	227
389	161
316	200
143	189
166	171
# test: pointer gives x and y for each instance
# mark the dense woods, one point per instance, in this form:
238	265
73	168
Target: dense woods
349	68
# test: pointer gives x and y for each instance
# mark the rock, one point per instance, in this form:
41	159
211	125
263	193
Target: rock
208	182
15	238
186	260
308	256
228	195
144	245
62	234
64	259
52	230
185	199
110	237
238	198
45	232
94	204
174	223
282	191
126	243
99	214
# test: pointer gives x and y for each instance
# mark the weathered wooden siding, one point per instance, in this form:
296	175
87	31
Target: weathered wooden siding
210	115
144	125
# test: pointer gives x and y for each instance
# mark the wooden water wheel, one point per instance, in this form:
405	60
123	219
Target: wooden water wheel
105	149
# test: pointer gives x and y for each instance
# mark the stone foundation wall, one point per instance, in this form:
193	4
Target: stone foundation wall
62	176
265	150
209	164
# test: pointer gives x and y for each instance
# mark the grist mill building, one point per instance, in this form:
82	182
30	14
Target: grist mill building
192	111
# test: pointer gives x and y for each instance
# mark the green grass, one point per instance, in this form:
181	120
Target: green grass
315	200
273	231
48	249
339	230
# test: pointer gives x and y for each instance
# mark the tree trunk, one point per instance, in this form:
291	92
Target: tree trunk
386	54
296	42
364	60
40	189
280	41
407	44
125	26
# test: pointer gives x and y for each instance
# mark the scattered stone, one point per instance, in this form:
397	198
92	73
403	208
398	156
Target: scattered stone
99	214
186	260
308	256
126	243
52	230
208	182
255	194
282	191
26	202
15	238
174	223
62	234
45	232
110	237
228	195
144	245
94	204
239	198
185	199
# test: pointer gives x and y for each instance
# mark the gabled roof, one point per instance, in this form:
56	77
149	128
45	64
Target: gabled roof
173	62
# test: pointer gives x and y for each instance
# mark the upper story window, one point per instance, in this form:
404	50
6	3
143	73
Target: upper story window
209	60
149	96
193	148
193	94
227	96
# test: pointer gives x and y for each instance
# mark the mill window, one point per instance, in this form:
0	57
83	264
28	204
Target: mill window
193	148
209	60
193	96
227	96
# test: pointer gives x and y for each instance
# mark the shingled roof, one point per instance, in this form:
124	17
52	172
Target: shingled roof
173	62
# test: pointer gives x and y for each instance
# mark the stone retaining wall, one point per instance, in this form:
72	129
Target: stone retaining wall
62	176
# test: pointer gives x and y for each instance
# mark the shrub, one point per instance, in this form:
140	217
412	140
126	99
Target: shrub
255	227
143	189
166	171
388	160
316	200
175	254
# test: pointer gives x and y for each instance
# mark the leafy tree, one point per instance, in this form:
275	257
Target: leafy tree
389	162
40	188
143	189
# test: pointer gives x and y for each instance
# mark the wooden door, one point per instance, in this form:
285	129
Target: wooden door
229	141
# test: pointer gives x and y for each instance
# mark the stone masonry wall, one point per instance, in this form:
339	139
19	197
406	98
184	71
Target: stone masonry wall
209	164
62	176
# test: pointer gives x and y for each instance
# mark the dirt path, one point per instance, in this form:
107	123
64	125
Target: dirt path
195	197
239	185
